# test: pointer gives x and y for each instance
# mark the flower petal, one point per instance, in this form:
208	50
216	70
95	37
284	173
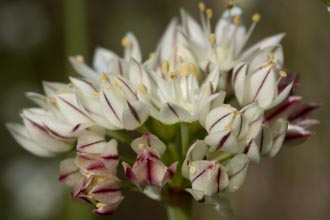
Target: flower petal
135	114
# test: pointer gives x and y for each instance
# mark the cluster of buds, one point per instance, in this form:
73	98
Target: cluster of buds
201	107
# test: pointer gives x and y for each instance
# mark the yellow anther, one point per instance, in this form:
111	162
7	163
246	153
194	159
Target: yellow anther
282	73
80	58
44	100
96	94
230	4
108	87
173	75
62	91
125	42
71	86
117	84
228	127
103	76
165	67
141	146
230	124
212	39
183	69
271	57
53	101
209	13
237	19
100	205
228	106
192	68
143	89
192	170
151	55
201	6
88	175
256	17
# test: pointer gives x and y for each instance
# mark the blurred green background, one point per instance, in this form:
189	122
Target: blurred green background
36	37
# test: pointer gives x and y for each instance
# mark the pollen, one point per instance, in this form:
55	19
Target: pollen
80	58
143	89
192	170
173	76
71	86
256	17
237	19
230	4
53	101
183	69
283	74
165	67
125	42
141	146
209	13
151	55
201	6
193	69
117	84
228	106
212	39
96	94
100	205
103	76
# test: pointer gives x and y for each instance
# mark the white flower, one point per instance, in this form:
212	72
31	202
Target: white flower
259	84
148	172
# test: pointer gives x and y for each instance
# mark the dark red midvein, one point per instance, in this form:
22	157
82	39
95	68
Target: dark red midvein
247	147
129	88
236	72
75	108
64	176
281	109
240	170
172	109
75	128
218	179
300	135
111	108
134	113
223	140
240	126
109	190
153	155
149	171
304	111
54	89
95	167
262	84
92	143
217	121
110	157
120	67
256	120
211	88
261	140
208	67
57	134
88	83
201	173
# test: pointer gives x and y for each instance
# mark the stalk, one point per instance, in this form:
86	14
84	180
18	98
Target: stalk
120	136
178	204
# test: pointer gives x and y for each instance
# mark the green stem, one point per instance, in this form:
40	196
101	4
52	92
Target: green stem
178	213
120	136
184	128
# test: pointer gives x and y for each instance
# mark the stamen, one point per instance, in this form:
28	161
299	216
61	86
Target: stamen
212	39
88	175
96	94
237	19
80	58
192	68
228	106
117	84
201	6
103	76
125	42
230	4
151	55
209	13
100	205
165	67
108	87
256	17
53	101
192	170
143	89
71	86
141	146
283	74
183	69
173	76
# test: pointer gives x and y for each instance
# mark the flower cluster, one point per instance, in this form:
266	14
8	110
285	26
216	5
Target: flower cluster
200	109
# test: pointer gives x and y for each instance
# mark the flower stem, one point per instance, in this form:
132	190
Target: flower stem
184	128
178	213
